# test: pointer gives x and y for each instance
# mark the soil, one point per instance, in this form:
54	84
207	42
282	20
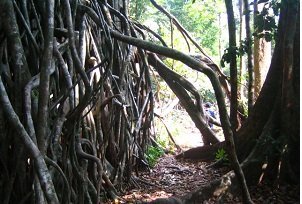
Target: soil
171	177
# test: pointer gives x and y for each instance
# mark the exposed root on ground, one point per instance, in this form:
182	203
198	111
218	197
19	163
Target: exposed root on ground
191	181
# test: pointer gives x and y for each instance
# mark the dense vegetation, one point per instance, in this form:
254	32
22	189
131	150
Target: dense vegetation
79	81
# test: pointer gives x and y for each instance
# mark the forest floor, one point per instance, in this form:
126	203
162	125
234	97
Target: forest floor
172	177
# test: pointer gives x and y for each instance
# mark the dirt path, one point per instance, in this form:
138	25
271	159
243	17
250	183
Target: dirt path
171	177
188	136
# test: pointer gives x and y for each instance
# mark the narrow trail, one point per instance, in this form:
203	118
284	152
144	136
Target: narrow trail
171	177
187	135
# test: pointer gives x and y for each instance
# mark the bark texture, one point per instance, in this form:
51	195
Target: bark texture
263	140
262	56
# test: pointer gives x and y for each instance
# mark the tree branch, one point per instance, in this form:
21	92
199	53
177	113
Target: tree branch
35	154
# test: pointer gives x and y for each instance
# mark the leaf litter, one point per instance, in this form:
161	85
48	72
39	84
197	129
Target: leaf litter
171	177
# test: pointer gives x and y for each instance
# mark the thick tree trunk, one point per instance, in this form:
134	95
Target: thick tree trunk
290	118
274	119
180	87
274	122
262	58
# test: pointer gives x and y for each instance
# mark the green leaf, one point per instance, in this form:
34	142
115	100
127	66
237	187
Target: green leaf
221	155
153	154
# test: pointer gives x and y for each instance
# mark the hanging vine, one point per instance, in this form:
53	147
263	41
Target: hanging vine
77	101
77	105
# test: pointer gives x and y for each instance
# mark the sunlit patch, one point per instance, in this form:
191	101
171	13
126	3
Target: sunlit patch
264	166
171	178
223	187
28	161
136	195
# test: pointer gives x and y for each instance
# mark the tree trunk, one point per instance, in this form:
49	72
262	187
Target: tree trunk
53	149
86	155
240	71
180	86
277	146
233	65
262	58
234	102
290	118
249	56
270	137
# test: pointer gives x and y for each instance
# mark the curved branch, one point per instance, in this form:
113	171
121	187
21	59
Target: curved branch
34	82
189	61
177	55
180	86
199	66
183	31
35	154
46	67
78	64
57	167
204	57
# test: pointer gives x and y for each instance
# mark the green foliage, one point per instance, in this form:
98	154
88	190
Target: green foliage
35	93
139	9
265	21
228	54
243	47
208	95
153	154
221	155
201	19
238	51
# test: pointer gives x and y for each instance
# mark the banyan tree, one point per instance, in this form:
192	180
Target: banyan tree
77	101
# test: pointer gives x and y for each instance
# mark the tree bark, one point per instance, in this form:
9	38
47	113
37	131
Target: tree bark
35	154
233	65
268	116
56	87
179	87
241	67
290	97
46	67
234	102
249	56
262	59
262	56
